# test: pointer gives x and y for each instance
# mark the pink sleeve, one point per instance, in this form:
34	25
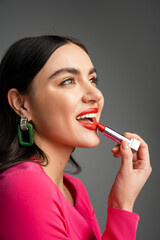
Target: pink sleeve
28	210
121	225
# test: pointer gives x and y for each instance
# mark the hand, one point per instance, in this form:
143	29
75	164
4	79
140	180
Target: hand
134	172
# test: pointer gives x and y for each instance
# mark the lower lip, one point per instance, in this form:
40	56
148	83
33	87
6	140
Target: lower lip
90	126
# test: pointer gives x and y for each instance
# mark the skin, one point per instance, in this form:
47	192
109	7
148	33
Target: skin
55	99
133	174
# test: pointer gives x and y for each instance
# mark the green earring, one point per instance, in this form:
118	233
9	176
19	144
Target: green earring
25	126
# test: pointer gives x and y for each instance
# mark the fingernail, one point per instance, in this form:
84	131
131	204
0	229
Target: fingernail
125	145
114	148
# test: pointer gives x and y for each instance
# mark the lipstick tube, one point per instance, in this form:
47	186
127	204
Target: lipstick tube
110	133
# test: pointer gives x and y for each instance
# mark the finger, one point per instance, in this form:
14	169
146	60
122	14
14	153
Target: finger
116	155
143	152
133	135
135	156
116	152
139	165
126	155
115	149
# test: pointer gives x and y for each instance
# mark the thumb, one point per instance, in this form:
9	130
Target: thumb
126	155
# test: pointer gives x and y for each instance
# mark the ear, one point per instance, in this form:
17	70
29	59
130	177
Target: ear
18	103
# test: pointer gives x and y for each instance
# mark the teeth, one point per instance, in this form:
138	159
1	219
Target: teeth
91	115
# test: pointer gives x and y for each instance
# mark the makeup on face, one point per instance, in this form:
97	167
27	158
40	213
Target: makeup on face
66	89
110	133
87	118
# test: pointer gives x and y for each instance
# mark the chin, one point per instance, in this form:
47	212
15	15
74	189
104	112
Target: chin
90	143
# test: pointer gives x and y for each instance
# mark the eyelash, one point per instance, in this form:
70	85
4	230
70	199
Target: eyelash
95	80
67	80
72	81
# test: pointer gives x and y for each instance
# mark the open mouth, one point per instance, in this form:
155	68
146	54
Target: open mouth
88	121
87	118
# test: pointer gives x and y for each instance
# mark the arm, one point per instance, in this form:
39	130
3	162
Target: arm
134	172
121	225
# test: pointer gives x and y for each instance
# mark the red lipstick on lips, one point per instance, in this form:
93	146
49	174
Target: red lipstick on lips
91	125
89	110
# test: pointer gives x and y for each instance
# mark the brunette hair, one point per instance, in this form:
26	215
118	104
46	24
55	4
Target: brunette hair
22	61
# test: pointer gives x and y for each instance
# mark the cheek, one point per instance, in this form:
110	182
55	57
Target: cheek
66	102
100	105
102	102
53	109
66	105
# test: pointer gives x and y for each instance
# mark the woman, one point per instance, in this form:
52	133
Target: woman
47	86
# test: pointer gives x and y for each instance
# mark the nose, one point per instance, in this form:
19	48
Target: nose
92	94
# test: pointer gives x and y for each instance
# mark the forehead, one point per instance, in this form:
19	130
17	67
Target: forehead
69	55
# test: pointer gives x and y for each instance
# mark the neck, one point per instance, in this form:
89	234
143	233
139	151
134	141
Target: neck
58	156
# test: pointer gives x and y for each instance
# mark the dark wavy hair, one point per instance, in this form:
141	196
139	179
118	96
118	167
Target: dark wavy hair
22	61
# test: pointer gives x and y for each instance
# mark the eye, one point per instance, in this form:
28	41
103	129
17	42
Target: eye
68	81
94	80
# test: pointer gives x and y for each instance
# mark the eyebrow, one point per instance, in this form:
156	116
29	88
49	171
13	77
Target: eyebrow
70	70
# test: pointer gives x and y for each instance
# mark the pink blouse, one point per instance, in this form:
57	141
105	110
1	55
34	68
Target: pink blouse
33	207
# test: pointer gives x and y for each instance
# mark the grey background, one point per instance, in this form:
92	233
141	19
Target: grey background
123	40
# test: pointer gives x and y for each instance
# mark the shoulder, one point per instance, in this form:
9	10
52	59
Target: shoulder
23	171
25	179
30	201
19	168
26	189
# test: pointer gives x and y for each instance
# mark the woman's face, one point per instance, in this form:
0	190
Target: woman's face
63	89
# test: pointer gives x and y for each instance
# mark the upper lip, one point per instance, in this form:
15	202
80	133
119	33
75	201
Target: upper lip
87	111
